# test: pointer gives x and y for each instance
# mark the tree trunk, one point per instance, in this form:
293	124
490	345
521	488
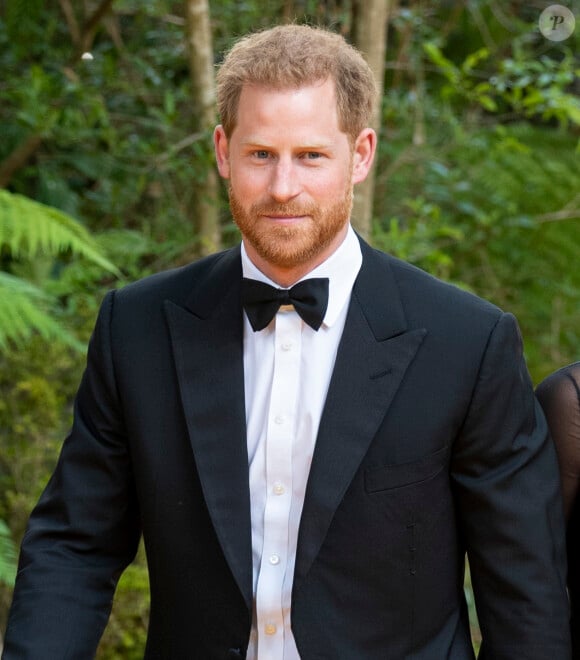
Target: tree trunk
204	207
288	11
18	158
369	31
89	28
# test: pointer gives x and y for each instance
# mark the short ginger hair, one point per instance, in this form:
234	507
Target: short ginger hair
291	56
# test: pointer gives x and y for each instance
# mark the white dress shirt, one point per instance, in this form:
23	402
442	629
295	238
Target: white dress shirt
287	370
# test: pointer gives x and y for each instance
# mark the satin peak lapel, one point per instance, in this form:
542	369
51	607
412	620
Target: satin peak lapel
375	351
207	340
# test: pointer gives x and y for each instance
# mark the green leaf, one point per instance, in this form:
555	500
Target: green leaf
446	66
472	60
488	103
8	557
23	311
29	228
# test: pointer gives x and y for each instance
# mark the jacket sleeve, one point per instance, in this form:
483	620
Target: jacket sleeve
509	503
85	528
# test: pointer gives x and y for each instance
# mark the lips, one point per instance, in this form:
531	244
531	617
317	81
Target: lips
282	218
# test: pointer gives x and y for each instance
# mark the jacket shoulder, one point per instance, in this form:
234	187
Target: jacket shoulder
420	289
178	284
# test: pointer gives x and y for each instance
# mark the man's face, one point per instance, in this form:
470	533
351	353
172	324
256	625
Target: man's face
290	169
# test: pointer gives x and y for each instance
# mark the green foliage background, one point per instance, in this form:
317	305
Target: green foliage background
477	182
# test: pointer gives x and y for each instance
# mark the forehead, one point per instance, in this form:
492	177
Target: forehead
305	110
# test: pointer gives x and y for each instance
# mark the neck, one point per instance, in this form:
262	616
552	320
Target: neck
286	276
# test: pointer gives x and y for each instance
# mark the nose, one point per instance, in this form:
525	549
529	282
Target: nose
285	180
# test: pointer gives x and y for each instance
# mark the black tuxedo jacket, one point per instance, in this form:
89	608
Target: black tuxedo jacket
430	445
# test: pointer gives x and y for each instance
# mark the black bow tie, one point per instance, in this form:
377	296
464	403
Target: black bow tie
309	298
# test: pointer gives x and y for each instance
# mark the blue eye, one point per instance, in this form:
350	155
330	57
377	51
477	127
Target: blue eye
261	154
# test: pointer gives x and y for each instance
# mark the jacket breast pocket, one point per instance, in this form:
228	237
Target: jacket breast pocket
391	477
414	512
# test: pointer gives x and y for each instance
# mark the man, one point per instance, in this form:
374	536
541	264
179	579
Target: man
307	479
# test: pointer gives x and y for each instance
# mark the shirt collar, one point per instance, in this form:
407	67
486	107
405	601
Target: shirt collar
341	268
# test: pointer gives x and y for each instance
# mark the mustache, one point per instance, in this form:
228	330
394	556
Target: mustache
285	209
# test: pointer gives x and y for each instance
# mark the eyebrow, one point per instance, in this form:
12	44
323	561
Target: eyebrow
312	146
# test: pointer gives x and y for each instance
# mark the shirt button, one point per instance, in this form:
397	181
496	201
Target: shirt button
287	346
279	489
270	629
274	559
279	419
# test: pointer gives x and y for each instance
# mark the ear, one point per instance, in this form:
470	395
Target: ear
364	152
220	143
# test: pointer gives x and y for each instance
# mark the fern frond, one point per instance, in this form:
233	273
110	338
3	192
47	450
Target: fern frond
7	556
28	228
23	311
